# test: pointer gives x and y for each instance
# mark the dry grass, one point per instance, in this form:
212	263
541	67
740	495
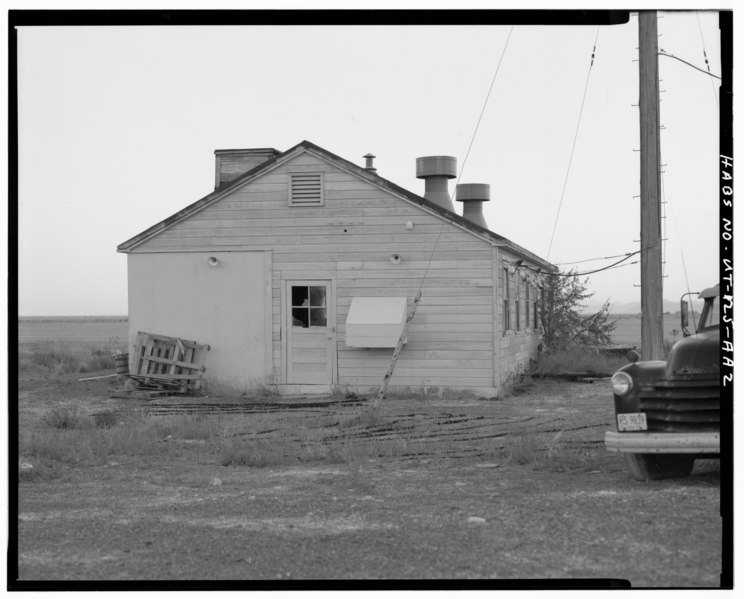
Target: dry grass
65	417
543	451
577	360
58	358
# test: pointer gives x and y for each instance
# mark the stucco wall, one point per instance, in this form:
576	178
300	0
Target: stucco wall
226	306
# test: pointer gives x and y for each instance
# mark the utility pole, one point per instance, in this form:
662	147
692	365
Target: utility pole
652	323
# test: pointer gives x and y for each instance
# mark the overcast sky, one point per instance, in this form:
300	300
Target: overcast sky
118	127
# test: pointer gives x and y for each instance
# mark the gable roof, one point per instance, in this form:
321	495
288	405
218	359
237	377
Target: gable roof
369	176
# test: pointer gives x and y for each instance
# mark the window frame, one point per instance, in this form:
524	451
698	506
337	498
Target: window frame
309	307
506	299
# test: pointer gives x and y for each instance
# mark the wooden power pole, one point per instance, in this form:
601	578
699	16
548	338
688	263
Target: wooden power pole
652	323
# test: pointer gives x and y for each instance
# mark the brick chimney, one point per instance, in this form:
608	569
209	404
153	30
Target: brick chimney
230	164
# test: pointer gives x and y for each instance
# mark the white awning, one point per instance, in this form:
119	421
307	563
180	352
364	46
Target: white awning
375	321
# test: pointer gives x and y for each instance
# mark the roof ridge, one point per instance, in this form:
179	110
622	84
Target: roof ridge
370	176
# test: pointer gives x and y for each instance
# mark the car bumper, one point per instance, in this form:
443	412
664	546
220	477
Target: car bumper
646	442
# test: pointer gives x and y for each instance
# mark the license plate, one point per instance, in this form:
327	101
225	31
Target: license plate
631	422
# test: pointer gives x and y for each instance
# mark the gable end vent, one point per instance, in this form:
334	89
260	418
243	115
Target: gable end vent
306	189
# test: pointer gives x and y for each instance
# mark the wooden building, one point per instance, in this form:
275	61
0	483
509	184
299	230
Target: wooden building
300	266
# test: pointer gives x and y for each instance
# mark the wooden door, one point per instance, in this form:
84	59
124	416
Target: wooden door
311	342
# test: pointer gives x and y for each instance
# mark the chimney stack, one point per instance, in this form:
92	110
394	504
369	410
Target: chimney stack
435	170
230	164
369	166
472	196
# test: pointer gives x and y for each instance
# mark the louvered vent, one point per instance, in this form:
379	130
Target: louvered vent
306	189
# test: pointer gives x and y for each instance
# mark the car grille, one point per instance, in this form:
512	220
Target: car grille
682	406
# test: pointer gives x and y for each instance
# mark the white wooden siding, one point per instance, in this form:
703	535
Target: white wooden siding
349	240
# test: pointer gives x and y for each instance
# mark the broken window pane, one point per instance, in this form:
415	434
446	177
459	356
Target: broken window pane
299	296
317	296
299	317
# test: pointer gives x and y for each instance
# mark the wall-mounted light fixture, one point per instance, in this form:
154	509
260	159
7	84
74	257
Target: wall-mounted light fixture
409	225
213	261
395	258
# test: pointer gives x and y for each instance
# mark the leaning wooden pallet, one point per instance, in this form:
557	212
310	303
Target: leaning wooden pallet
168	363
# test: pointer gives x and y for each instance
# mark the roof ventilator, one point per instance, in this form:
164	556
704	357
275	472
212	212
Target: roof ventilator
435	171
472	196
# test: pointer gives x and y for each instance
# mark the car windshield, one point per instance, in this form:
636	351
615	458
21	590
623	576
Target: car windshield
711	316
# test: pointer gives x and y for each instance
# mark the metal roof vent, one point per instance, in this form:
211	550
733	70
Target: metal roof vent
472	196
369	166
435	170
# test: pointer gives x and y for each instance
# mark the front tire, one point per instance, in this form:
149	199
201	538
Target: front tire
656	466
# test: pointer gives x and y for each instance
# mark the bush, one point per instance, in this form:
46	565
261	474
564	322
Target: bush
577	360
64	417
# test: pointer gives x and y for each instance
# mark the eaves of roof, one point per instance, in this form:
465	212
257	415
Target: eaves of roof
362	173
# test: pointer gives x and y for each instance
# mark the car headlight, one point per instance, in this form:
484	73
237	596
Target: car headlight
621	383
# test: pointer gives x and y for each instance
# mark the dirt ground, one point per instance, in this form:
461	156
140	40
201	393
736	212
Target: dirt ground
461	501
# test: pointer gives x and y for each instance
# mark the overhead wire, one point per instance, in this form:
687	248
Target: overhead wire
663	52
590	259
472	139
705	56
441	230
617	264
485	103
573	147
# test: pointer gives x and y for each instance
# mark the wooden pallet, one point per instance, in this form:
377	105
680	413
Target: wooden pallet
168	363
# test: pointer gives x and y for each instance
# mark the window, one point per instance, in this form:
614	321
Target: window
516	303
507	298
711	316
306	189
527	306
536	316
308	306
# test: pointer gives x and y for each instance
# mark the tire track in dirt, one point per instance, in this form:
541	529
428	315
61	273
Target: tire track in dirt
435	433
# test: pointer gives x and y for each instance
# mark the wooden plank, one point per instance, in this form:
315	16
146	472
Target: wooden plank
293	235
481	358
440	312
421	365
403	380
158	361
146	355
169	377
398	347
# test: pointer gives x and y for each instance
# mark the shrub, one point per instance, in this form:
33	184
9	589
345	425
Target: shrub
577	359
64	417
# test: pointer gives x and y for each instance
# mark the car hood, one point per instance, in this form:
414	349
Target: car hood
695	355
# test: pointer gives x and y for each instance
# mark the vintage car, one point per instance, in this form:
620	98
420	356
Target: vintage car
668	412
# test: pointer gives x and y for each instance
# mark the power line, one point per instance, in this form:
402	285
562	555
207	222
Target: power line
591	259
663	52
705	56
485	103
472	139
573	147
588	272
